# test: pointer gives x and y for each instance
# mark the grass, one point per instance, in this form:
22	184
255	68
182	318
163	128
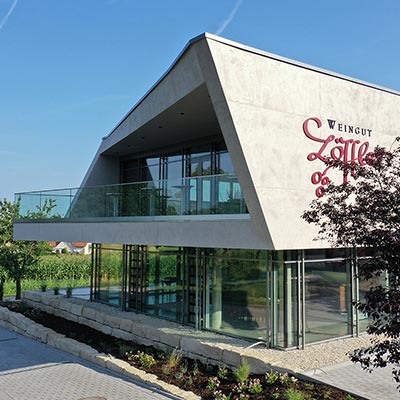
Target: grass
28	284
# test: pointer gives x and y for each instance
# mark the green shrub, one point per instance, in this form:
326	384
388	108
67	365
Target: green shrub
243	372
69	291
143	359
174	359
222	372
255	386
272	377
213	383
293	394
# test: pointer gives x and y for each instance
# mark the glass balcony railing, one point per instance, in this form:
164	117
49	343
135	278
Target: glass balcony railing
212	194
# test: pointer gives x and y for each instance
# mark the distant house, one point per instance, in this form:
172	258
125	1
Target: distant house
72	247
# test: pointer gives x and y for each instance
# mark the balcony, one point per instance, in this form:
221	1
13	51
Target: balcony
212	194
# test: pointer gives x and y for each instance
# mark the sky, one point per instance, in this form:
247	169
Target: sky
71	69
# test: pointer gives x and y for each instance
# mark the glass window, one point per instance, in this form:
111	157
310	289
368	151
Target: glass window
225	164
328	302
163	287
174	168
236	300
284	302
110	275
322	254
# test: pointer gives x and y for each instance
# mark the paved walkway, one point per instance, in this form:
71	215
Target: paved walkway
377	385
31	370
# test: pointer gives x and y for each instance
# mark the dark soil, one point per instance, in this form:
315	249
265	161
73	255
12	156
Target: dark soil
188	374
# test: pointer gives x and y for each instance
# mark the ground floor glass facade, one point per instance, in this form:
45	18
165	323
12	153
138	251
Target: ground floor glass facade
285	298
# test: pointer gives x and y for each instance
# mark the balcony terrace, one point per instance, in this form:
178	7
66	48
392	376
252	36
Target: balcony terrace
202	195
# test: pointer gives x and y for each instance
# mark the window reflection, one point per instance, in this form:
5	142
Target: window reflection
236	287
110	275
328	301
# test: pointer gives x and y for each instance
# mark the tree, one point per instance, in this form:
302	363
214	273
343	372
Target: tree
364	212
16	256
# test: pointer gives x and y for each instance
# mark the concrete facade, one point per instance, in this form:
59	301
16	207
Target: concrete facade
275	121
259	102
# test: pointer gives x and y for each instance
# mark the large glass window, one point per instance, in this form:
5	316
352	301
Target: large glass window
236	293
284	303
328	311
163	282
287	298
109	277
364	286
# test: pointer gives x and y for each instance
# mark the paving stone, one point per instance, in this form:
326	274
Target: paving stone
145	342
107	330
89	313
133	372
118	333
256	365
65	305
231	357
38	332
68	345
169	339
67	315
48	309
52	337
100	317
112	321
54	301
76	309
116	365
28	294
138	329
100	359
377	385
53	374
19	321
3	313
45	299
125	325
152	333
86	352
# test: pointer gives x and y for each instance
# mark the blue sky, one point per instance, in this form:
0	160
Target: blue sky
70	69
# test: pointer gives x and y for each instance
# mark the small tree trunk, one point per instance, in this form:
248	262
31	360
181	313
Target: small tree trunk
1	289
18	289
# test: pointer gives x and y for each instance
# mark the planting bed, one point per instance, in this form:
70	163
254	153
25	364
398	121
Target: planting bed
207	381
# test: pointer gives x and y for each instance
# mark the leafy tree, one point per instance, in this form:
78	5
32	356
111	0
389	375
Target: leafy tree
16	256
365	213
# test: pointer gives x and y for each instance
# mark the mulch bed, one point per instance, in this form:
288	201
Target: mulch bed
187	374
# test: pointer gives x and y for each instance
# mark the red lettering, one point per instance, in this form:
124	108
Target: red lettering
350	151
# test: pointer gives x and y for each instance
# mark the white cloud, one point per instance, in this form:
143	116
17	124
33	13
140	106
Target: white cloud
10	11
230	18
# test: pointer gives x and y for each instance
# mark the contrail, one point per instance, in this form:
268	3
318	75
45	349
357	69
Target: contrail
230	17
10	11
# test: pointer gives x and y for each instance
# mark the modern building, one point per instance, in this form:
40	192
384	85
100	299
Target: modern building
193	202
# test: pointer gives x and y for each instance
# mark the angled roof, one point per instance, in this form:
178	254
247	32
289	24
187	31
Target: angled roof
259	103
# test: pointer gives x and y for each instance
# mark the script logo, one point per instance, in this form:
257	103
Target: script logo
348	150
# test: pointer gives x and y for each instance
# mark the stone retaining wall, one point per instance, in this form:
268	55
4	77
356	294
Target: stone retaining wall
206	347
19	323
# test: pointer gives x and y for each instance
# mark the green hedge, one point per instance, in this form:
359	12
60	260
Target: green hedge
61	266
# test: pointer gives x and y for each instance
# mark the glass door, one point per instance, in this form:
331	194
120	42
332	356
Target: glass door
328	309
201	191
